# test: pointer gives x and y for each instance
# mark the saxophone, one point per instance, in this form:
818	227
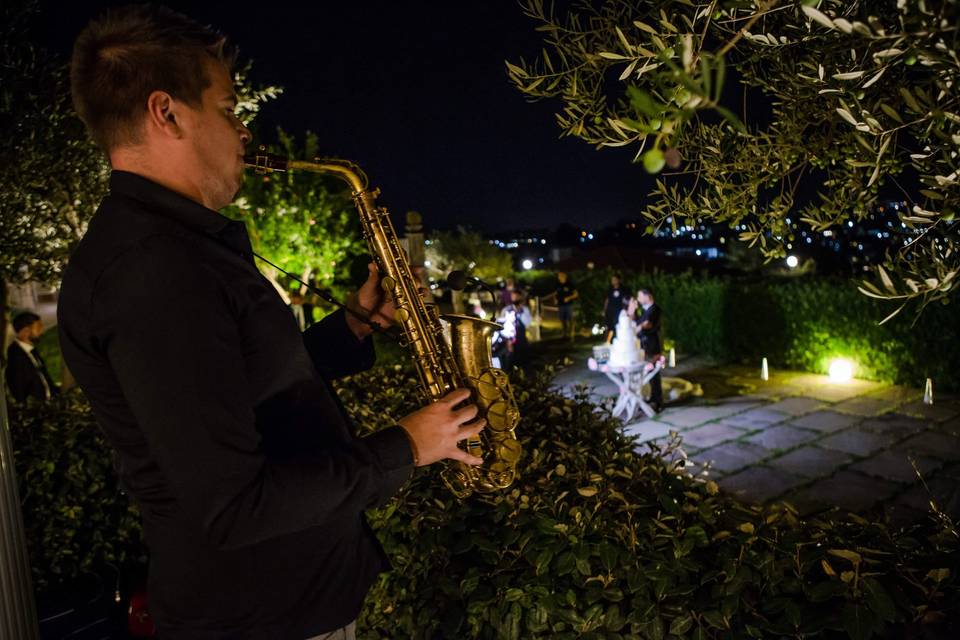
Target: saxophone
463	362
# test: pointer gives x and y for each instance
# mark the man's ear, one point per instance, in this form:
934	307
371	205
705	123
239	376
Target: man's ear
163	113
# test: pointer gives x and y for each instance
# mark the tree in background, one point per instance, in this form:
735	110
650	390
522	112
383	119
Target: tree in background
305	223
465	250
859	93
53	175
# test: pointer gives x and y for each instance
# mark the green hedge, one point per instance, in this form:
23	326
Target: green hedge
595	540
797	323
76	517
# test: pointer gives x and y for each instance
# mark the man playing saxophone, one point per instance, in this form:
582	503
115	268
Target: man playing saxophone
250	479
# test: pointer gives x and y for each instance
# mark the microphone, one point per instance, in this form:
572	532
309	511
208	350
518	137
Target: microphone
458	280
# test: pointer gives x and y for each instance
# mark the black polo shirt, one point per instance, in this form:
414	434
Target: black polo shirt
248	473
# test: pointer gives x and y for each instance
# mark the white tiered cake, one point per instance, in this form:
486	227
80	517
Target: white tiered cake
625	350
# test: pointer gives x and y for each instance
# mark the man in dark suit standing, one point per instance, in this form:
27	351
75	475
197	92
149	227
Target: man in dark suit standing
648	328
27	375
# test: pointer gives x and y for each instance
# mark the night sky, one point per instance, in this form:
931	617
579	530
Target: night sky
416	93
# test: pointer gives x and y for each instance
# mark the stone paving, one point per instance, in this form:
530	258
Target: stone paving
801	438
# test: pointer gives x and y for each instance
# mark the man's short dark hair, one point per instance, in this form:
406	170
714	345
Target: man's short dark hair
23	320
129	52
648	291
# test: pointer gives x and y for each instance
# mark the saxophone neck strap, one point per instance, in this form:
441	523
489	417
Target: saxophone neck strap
323	294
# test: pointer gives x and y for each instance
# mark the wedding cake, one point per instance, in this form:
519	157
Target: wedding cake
625	350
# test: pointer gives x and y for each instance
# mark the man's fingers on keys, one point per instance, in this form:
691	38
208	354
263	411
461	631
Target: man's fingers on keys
463	456
456	396
467	413
470	430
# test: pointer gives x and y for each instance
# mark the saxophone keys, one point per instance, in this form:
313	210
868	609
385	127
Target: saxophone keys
487	388
388	284
510	451
501	475
498	416
401	315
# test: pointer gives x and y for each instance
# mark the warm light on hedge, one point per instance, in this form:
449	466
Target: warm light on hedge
841	370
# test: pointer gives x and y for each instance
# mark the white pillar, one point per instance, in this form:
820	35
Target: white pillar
18	612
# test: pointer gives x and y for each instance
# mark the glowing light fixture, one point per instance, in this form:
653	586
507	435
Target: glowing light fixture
841	370
528	264
792	262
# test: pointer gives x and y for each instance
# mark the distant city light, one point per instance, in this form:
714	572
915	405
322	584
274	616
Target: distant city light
528	264
792	262
698	252
850	223
841	370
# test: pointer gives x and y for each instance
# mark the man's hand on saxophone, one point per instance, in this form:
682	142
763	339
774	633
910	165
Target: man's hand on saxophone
435	430
372	302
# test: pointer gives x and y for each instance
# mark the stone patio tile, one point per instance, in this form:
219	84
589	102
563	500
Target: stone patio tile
857	442
810	461
897	393
847	490
772	390
822	388
865	406
951	427
755	419
688	416
934	444
825	421
894	464
782	437
901	515
759	484
951	470
796	406
648	430
938	412
804	502
732	456
895	424
711	434
944	491
725	409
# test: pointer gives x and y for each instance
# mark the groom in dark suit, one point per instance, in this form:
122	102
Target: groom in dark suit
27	375
648	329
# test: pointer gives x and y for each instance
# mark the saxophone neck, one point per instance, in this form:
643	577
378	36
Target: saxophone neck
262	162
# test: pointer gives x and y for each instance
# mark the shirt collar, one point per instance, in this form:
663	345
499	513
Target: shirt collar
26	346
195	216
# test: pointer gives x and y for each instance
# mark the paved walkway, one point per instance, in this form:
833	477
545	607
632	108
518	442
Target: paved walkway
812	442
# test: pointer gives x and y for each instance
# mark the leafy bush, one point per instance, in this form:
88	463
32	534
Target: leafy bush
76	517
596	540
800	323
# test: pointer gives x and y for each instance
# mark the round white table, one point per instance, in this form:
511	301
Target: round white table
630	381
